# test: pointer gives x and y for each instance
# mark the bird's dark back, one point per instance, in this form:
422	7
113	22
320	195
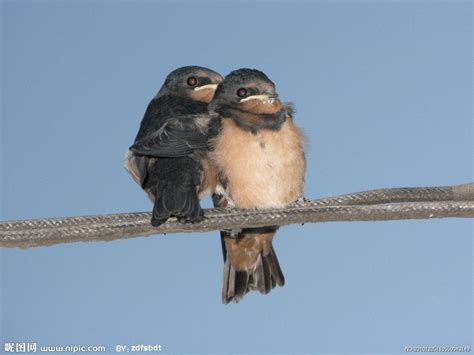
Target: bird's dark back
162	108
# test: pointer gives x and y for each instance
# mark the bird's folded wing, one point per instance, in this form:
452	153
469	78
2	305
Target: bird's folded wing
178	137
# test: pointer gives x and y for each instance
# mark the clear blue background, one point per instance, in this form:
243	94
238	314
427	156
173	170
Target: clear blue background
383	92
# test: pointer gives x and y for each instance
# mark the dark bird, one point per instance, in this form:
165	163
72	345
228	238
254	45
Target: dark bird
259	158
168	159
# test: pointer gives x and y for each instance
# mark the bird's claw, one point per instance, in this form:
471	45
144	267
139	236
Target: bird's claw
300	202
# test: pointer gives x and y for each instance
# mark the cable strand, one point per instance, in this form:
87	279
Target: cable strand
374	205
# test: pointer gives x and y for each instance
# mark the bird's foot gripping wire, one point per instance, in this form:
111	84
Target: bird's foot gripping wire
302	201
230	204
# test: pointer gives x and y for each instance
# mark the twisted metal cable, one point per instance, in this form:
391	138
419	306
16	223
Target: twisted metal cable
374	205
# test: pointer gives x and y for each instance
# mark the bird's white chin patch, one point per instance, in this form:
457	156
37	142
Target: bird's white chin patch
206	87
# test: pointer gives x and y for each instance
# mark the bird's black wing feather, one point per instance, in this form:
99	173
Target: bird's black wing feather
162	108
177	137
172	127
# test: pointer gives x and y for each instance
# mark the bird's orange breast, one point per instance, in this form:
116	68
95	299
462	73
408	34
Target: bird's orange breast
261	170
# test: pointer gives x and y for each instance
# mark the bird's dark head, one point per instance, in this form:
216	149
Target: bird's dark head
248	90
196	83
249	98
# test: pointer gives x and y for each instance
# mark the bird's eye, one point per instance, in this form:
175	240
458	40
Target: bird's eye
242	92
192	81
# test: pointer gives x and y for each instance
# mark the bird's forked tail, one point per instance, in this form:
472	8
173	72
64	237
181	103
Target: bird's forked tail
250	263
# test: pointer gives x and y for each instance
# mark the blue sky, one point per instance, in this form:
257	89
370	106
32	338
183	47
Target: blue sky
383	91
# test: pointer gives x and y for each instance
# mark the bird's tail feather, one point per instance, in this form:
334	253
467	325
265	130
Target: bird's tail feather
262	277
174	200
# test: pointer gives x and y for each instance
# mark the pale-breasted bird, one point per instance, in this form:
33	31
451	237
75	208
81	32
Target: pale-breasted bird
169	156
259	160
